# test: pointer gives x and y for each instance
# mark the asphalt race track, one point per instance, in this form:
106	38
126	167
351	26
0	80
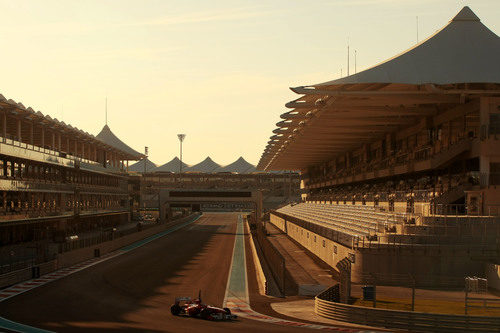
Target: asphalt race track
133	292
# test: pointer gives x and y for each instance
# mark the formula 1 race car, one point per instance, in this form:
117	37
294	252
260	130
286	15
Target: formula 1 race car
185	306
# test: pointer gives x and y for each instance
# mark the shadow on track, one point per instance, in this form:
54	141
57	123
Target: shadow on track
133	292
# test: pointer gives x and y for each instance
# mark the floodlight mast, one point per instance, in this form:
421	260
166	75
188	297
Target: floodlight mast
181	138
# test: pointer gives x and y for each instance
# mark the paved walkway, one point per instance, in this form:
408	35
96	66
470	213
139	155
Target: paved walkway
309	277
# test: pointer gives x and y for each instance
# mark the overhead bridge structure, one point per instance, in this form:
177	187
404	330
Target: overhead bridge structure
209	200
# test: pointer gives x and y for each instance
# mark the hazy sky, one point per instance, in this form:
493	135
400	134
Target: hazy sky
218	71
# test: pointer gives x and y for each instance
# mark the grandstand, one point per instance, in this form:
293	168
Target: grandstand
400	163
57	180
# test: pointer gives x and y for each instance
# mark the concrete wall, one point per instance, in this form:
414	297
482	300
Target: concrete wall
327	250
431	266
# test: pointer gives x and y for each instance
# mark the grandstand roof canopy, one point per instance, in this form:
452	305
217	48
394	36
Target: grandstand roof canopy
111	139
38	117
458	62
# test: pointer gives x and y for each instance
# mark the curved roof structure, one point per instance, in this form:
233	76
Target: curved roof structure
452	67
205	166
464	51
10	105
239	166
172	166
111	139
139	166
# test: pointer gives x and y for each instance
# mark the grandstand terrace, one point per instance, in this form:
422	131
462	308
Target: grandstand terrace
400	163
56	179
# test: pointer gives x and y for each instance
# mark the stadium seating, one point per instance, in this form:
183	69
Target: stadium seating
354	220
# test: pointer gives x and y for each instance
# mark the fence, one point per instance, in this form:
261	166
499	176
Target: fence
273	257
84	252
325	306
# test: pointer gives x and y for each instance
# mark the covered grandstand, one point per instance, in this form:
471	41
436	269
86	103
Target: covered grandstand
400	163
57	180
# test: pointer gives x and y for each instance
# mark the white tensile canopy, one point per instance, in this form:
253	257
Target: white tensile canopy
171	166
464	51
139	166
111	139
205	166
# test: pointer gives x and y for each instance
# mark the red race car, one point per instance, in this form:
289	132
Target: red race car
185	306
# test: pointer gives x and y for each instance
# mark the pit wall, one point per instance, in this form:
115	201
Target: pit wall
390	264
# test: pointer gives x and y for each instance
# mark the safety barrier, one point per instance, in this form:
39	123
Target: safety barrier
407	320
273	257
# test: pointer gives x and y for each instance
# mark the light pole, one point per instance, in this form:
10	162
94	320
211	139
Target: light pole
181	138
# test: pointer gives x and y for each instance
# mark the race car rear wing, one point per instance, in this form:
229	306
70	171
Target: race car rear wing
183	299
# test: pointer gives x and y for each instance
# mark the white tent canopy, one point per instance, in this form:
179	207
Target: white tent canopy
206	166
239	166
172	166
108	137
139	166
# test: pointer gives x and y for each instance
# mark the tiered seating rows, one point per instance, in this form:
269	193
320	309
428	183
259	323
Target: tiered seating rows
353	220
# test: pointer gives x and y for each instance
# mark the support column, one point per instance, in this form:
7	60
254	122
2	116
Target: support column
4	125
42	140
32	139
67	145
19	130
76	147
53	141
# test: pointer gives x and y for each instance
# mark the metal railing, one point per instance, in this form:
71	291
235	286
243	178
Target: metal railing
12	141
326	307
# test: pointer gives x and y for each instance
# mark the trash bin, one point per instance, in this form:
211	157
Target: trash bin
97	253
368	293
35	272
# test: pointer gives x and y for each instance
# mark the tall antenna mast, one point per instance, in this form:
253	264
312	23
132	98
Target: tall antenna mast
347	56
417	29
355	61
106	110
